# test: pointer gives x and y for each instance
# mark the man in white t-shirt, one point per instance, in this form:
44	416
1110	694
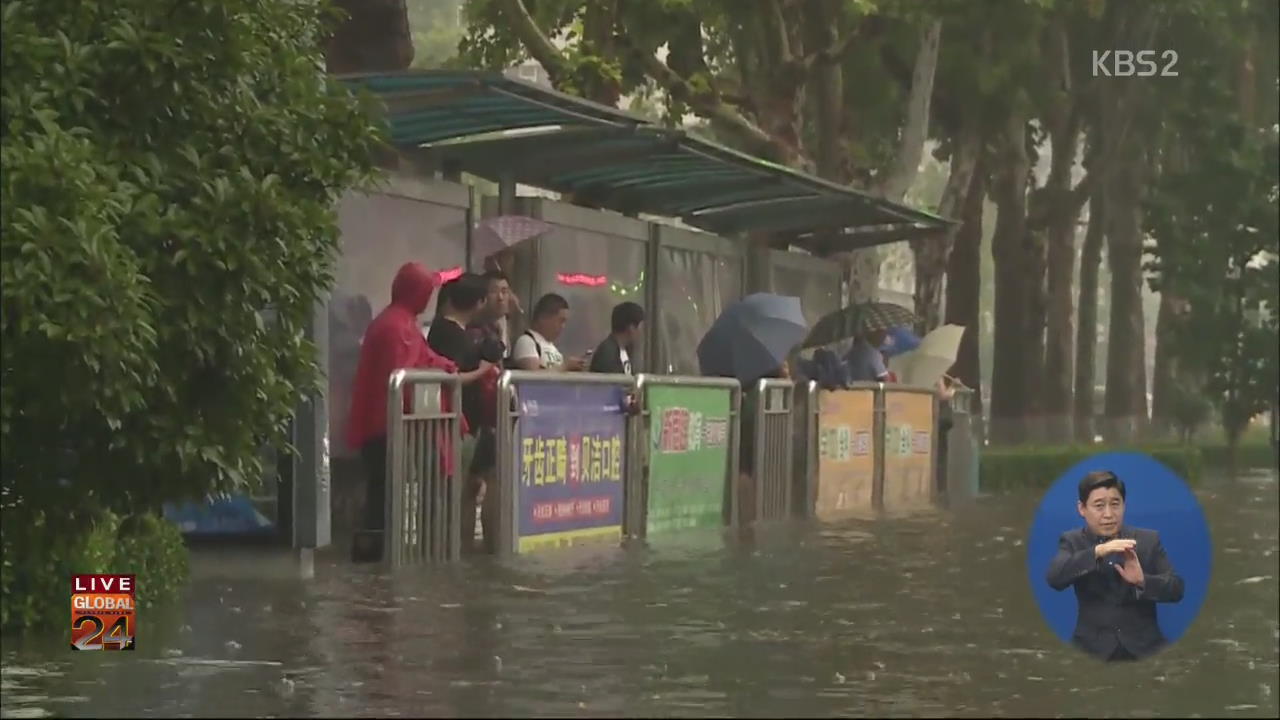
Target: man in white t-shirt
536	349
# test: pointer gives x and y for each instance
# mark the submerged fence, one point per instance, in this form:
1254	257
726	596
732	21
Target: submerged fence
424	467
598	458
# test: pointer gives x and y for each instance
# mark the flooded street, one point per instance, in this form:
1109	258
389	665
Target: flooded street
930	615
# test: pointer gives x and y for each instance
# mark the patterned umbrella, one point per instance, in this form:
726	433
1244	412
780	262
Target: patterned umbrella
856	320
496	234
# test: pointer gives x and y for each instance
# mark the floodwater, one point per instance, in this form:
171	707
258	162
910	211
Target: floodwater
931	615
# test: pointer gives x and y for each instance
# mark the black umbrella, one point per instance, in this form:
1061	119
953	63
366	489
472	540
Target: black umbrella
858	320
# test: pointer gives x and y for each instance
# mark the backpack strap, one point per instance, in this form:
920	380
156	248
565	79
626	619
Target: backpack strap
537	346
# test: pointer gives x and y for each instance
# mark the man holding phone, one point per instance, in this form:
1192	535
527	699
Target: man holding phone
536	348
1119	574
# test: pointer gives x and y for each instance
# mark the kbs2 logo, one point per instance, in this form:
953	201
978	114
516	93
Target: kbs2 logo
103	612
1126	63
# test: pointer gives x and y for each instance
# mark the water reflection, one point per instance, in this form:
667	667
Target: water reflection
912	616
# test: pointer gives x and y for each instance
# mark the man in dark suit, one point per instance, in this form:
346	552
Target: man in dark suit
1119	574
616	353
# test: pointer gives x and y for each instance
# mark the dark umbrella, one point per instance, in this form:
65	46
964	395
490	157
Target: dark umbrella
752	337
857	320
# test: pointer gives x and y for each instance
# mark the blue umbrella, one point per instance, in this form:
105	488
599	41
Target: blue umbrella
752	337
899	340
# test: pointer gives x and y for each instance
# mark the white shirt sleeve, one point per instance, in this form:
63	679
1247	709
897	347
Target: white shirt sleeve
524	349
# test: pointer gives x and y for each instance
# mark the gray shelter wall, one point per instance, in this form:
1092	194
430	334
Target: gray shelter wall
404	220
697	276
592	258
814	280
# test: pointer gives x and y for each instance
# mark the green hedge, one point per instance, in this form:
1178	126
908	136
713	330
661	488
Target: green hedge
1014	468
1248	455
41	552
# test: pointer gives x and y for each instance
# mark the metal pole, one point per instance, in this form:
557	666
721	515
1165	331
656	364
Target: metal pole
311	512
506	192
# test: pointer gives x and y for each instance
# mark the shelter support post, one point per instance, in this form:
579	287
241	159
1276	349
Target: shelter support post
311	518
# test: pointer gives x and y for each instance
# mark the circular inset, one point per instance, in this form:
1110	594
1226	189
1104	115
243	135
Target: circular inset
1123	574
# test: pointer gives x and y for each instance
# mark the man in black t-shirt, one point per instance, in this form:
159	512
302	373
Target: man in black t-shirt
464	299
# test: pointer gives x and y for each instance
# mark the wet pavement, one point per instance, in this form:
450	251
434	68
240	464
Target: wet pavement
929	615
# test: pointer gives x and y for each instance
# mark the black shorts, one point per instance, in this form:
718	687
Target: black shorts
486	453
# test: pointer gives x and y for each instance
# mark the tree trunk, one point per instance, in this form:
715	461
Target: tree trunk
862	272
1164	384
1060	339
964	283
374	37
1126	399
1008	399
931	254
1034	269
1087	327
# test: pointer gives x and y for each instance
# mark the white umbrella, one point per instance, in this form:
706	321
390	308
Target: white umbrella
925	365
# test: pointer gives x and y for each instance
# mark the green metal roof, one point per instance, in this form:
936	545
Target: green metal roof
616	160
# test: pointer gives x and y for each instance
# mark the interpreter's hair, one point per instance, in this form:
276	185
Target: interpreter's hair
466	292
548	305
626	315
494	276
1100	479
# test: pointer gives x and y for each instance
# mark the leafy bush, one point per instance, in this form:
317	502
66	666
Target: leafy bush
170	178
42	551
1016	468
152	548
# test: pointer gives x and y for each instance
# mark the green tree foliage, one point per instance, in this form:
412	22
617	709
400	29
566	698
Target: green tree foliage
1215	223
170	176
436	27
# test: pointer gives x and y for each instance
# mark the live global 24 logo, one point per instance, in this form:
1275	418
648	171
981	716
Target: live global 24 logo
103	612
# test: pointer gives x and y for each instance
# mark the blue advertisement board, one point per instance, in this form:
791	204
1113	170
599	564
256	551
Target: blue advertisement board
569	460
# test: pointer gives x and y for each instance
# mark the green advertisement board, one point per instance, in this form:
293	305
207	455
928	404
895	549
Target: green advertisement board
688	457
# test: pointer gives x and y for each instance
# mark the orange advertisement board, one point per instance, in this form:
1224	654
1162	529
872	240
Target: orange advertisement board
908	448
846	452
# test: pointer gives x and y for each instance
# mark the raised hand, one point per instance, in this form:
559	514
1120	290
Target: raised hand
1130	569
1110	547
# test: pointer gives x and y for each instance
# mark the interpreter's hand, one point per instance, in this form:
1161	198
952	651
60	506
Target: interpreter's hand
1110	547
574	364
1130	569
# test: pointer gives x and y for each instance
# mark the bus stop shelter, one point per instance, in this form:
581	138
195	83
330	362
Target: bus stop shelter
610	167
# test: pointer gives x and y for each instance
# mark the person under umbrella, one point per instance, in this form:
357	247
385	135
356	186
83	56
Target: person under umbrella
869	324
750	341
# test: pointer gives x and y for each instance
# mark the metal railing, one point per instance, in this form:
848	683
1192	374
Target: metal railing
962	456
424	468
511	411
640	479
773	450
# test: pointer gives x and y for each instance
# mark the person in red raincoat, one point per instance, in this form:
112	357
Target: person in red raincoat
393	341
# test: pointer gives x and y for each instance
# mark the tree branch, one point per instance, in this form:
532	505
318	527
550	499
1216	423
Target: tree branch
785	55
1100	159
706	103
916	127
536	42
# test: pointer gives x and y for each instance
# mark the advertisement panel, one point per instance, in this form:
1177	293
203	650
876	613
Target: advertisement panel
908	448
846	452
569	460
688	457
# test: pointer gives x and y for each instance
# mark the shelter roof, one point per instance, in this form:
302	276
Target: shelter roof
494	126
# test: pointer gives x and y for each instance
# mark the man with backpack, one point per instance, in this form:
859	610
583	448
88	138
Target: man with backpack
535	349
